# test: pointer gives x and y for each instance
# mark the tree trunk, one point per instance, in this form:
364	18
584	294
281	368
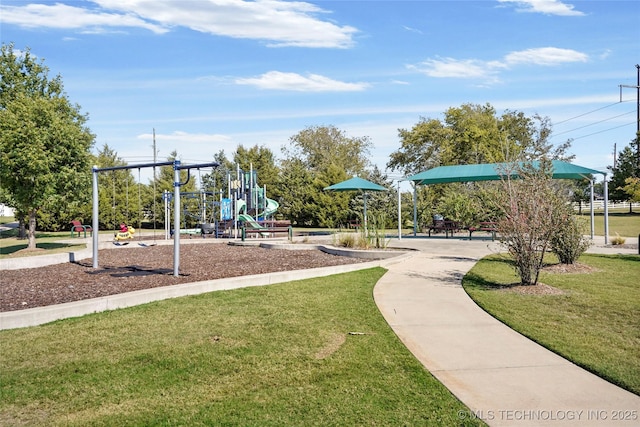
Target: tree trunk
22	232
32	229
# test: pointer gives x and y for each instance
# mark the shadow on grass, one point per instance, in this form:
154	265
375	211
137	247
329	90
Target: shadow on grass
52	246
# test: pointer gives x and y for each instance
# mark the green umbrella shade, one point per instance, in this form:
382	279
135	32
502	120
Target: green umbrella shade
355	184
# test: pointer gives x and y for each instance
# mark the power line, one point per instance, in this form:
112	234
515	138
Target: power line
604	130
595	123
588	112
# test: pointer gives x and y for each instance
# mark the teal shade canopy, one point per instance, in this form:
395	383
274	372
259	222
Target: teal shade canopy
495	172
355	184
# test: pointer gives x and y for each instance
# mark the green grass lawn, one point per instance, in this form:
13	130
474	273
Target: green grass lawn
268	356
595	323
624	223
10	244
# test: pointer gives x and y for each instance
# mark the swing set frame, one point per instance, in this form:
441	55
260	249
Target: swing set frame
177	167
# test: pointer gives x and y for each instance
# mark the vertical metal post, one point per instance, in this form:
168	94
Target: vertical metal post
593	232
95	223
176	218
415	209
606	211
399	213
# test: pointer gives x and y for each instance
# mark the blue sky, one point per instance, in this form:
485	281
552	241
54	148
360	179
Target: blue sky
214	74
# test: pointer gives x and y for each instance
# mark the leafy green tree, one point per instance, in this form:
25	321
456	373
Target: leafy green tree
472	134
317	156
632	188
626	167
263	162
216	180
44	143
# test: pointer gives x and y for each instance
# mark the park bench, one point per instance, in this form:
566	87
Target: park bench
487	226
440	225
271	228
78	227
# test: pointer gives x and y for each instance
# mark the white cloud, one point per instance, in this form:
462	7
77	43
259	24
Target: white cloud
488	71
61	16
277	22
278	80
457	68
187	138
545	56
549	7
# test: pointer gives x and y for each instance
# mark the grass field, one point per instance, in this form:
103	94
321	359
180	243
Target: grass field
10	244
595	323
623	223
271	356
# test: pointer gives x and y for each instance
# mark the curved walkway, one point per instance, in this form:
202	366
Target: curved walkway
503	377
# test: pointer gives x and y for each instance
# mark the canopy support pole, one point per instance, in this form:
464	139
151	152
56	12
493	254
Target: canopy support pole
399	213
606	211
593	232
415	209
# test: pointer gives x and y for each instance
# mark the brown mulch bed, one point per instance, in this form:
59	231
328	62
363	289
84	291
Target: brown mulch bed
570	268
126	269
538	289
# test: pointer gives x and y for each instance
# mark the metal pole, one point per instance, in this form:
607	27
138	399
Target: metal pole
399	213
176	218
415	209
591	210
94	219
606	211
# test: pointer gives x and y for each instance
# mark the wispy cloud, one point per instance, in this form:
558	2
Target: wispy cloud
457	68
548	7
546	56
278	23
489	71
62	16
277	80
412	30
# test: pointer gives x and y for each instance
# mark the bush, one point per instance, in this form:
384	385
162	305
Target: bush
568	243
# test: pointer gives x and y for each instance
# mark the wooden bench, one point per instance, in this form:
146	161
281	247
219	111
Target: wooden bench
449	227
487	226
78	227
266	232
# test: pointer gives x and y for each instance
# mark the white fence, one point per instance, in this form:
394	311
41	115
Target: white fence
5	210
598	205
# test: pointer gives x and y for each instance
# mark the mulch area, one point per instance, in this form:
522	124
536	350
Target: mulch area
132	268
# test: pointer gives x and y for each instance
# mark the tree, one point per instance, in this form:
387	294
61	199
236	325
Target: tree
44	143
472	134
626	167
217	179
315	158
632	188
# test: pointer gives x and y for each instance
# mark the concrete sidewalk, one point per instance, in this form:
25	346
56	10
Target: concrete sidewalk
503	377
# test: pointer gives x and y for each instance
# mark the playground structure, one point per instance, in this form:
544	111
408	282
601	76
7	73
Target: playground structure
244	210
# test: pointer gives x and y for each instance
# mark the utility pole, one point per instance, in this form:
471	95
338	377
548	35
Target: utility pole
615	155
637	88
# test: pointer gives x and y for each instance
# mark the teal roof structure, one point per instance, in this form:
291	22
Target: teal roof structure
495	172
355	184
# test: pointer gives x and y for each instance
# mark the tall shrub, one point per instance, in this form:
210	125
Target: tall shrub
530	206
569	242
